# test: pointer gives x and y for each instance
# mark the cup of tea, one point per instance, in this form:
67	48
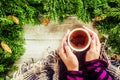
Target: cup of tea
79	39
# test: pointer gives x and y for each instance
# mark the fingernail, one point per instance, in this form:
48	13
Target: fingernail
65	43
68	31
93	37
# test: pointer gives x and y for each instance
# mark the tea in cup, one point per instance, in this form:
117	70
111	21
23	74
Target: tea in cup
79	39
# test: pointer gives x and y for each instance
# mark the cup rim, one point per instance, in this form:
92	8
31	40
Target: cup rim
82	49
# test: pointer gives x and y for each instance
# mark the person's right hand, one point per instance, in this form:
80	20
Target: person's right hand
95	46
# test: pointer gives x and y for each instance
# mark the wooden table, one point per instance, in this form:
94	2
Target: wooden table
38	38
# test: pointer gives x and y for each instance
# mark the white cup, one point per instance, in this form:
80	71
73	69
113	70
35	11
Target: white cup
79	39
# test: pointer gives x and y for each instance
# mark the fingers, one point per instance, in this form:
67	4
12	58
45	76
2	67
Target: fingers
62	43
65	38
68	50
66	35
93	44
61	52
64	55
97	40
90	31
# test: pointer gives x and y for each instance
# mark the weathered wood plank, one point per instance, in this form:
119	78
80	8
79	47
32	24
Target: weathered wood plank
39	38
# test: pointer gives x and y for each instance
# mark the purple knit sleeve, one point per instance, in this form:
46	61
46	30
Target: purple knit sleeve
97	70
74	75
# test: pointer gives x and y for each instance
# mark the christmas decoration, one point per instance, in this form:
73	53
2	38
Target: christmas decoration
16	13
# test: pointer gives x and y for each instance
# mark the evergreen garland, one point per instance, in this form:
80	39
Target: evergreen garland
16	13
111	24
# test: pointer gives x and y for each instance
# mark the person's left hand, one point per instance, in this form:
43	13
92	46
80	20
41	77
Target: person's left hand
67	56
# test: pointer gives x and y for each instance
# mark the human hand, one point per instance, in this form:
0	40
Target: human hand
67	56
94	50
